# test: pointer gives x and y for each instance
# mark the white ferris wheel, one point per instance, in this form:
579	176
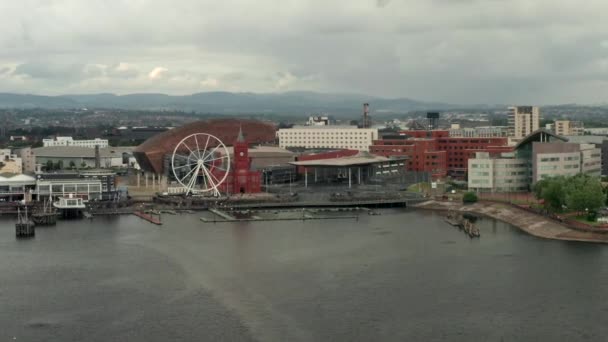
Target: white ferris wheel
200	163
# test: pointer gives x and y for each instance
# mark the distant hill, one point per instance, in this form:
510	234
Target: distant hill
297	102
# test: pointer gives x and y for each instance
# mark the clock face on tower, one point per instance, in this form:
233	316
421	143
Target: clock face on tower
241	154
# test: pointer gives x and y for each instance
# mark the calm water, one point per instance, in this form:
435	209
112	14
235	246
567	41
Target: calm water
401	276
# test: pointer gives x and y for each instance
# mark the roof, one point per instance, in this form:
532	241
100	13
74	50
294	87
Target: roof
326	127
150	155
586	139
80	152
362	158
264	150
537	135
20	178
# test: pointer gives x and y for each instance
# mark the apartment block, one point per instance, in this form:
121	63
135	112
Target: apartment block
567	127
523	120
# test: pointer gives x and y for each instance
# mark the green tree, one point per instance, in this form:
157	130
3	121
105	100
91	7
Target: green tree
83	165
72	164
585	193
60	165
554	194
469	197
49	165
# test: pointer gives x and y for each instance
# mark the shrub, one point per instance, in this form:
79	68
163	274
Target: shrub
469	197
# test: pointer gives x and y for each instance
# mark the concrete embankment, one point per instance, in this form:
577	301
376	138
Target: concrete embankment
531	223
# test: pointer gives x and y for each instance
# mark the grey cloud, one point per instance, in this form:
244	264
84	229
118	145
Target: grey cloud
464	51
382	3
50	71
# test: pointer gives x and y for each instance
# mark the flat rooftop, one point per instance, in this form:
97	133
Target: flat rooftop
362	158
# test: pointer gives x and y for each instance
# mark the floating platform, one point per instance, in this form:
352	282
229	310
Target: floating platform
259	219
148	217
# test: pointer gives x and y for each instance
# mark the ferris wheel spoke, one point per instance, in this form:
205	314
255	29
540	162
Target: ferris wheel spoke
192	180
209	175
220	158
219	168
212	152
207	143
186	165
198	149
213	176
187	174
189	149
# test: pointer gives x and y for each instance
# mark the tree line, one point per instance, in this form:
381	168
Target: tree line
581	193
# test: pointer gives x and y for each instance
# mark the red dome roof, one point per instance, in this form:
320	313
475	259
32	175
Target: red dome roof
150	154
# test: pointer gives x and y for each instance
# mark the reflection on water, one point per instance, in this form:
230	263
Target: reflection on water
400	276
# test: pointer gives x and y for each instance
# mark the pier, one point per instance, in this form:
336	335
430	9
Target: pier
45	216
24	227
464	223
302	214
152	218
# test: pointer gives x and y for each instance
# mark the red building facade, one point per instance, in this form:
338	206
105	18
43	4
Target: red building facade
241	179
438	153
422	154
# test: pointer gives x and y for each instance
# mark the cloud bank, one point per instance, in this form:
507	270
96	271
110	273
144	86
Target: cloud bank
459	51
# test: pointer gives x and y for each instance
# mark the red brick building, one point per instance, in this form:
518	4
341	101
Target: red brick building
423	155
241	179
436	152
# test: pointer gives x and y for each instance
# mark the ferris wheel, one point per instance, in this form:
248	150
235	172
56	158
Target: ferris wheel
200	163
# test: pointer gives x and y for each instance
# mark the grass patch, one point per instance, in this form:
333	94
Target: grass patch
419	187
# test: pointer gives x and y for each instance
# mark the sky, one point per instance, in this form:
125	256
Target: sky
455	51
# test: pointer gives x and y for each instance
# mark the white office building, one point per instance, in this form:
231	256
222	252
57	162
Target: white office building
69	141
338	137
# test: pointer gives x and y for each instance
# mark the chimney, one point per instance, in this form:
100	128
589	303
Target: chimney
97	157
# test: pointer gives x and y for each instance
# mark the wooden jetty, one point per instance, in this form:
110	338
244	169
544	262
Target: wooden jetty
47	216
465	224
148	217
24	227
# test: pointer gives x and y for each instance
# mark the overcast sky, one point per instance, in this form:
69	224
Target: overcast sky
458	51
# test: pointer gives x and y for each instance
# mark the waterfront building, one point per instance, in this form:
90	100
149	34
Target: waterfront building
423	154
152	154
357	169
567	127
597	141
69	141
241	178
263	157
336	137
491	174
16	187
83	157
538	156
523	121
436	152
85	184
